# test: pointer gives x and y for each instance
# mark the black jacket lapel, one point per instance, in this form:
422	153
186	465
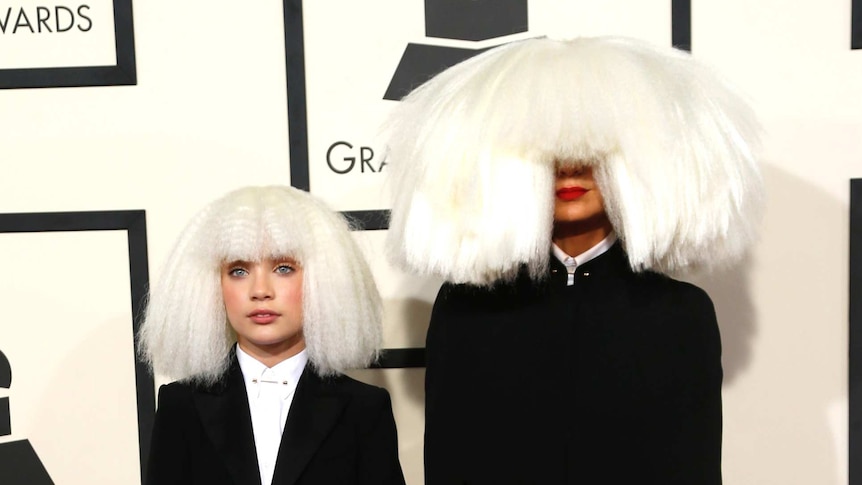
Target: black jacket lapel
226	420
313	414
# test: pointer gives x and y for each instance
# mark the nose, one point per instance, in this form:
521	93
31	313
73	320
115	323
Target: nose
262	288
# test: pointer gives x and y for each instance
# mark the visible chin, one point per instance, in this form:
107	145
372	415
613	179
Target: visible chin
571	217
279	343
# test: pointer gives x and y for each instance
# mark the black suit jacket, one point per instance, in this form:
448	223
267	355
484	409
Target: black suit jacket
338	431
613	381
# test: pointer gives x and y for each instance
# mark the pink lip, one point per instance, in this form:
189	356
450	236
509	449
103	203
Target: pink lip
263	317
571	193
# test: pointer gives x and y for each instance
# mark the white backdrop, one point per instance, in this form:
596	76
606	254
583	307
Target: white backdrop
209	114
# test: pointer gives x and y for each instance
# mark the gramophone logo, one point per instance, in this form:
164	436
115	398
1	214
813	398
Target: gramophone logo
461	20
19	464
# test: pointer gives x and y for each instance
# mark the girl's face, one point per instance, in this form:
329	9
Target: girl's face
577	197
263	302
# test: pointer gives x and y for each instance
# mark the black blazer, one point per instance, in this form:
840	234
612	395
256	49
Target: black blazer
338	431
613	381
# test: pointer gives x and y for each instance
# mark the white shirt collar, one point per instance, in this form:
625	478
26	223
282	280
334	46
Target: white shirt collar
252	369
572	262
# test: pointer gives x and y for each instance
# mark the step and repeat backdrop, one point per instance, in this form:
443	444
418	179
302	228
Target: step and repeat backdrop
118	121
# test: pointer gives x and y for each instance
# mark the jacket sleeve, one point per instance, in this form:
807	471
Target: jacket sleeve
705	433
689	422
379	463
169	461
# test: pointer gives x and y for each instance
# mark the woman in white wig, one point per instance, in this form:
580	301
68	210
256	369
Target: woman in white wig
262	305
554	184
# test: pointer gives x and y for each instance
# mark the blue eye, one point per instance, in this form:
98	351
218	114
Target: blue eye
284	269
237	272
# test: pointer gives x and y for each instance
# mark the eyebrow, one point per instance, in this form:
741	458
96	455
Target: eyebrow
243	262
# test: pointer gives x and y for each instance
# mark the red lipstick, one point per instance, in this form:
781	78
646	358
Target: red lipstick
570	193
263	317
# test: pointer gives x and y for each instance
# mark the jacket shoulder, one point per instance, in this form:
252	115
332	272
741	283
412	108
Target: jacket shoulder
664	290
175	393
675	312
359	392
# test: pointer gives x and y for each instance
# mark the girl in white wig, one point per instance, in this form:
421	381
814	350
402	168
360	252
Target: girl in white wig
552	183
263	303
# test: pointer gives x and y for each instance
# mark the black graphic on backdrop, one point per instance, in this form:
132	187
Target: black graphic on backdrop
474	19
19	464
40	20
14	456
680	24
5	383
468	20
855	370
856	25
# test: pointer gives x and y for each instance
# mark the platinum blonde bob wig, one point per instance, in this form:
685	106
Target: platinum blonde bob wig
186	335
473	154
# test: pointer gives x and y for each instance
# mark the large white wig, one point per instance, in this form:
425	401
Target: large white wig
473	154
186	335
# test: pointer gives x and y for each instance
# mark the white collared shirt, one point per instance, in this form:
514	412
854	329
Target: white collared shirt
285	375
572	262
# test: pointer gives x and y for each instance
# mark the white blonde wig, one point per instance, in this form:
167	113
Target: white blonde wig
473	154
186	335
